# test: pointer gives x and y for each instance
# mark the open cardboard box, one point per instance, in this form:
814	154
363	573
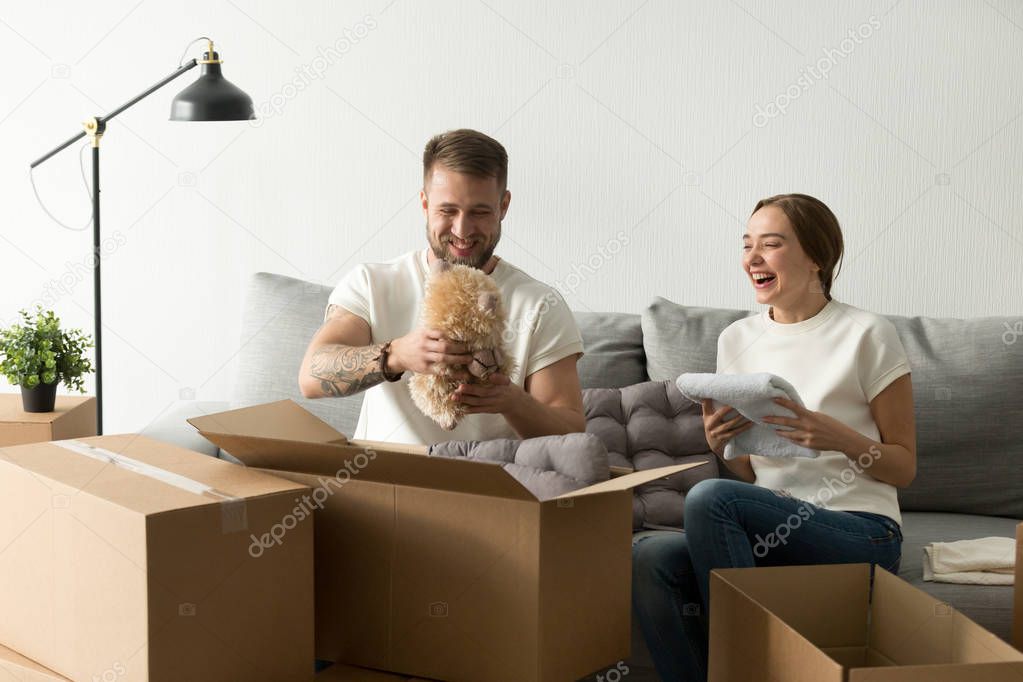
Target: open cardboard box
447	568
127	558
822	624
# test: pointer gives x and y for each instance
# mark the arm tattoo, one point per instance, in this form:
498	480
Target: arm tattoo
347	370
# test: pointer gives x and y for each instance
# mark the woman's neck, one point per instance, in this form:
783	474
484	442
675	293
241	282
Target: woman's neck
801	312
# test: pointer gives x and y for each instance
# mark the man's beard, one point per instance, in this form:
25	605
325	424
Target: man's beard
440	250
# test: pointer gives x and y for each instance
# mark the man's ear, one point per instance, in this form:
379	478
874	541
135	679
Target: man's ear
505	200
424	202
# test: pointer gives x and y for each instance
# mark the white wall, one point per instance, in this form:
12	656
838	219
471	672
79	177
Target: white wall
634	117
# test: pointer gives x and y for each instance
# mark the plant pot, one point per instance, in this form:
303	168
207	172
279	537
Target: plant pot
39	399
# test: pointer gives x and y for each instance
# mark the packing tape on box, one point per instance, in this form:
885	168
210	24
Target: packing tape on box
233	514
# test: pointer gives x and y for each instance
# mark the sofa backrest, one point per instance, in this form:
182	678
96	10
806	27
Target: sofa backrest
966	376
967	389
613	350
280	316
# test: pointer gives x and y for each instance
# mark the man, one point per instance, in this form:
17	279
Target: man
371	339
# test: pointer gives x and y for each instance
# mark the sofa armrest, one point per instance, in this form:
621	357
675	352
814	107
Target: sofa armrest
171	426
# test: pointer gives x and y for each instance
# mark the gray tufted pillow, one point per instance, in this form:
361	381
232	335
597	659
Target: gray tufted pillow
651	425
547	466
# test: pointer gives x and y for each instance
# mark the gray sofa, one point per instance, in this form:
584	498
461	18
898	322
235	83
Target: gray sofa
966	383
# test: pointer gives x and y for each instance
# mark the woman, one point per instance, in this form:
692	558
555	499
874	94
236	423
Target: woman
850	369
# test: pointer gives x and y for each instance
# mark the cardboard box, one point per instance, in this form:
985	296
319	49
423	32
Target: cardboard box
72	417
447	568
15	667
130	559
821	624
339	672
1017	610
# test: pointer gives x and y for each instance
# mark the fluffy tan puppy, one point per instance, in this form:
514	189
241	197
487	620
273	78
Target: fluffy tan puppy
465	304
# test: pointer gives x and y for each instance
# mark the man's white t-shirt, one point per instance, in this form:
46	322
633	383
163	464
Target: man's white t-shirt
838	360
541	330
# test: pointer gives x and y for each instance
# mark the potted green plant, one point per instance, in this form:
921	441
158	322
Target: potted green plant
38	355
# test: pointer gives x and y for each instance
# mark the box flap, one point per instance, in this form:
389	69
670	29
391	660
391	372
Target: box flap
380	465
749	642
630	480
912	628
827	604
133	487
392	447
284	419
17	668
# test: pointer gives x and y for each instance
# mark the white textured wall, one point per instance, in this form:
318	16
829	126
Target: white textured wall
645	118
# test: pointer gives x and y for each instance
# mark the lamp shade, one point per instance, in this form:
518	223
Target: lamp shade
211	97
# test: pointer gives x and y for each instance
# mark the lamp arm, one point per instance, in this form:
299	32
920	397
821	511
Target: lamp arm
103	119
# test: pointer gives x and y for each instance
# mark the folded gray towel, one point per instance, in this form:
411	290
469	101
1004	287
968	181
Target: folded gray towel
752	396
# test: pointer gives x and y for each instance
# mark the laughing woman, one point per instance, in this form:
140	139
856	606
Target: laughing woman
850	369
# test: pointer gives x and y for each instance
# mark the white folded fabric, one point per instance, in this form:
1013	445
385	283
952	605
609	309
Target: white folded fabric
983	561
752	396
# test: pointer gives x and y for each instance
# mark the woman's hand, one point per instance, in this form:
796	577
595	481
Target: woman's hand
719	431
815	429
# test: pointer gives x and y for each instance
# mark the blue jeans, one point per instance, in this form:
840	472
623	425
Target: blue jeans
731	524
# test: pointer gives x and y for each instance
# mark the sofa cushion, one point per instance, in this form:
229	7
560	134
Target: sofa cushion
988	605
651	425
547	466
969	416
613	345
679	339
171	426
281	315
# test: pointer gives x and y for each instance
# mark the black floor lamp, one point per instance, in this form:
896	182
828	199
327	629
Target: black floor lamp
210	98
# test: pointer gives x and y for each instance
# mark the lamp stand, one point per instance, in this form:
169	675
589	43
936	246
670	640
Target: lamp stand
210	98
94	129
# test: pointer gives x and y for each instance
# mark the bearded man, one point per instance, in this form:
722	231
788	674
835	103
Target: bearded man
371	339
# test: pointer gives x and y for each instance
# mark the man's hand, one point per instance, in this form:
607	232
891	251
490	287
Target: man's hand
497	397
427	351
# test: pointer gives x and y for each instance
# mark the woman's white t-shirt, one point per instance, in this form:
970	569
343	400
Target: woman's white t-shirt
541	330
838	360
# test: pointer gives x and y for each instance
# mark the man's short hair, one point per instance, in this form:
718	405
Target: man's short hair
469	152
